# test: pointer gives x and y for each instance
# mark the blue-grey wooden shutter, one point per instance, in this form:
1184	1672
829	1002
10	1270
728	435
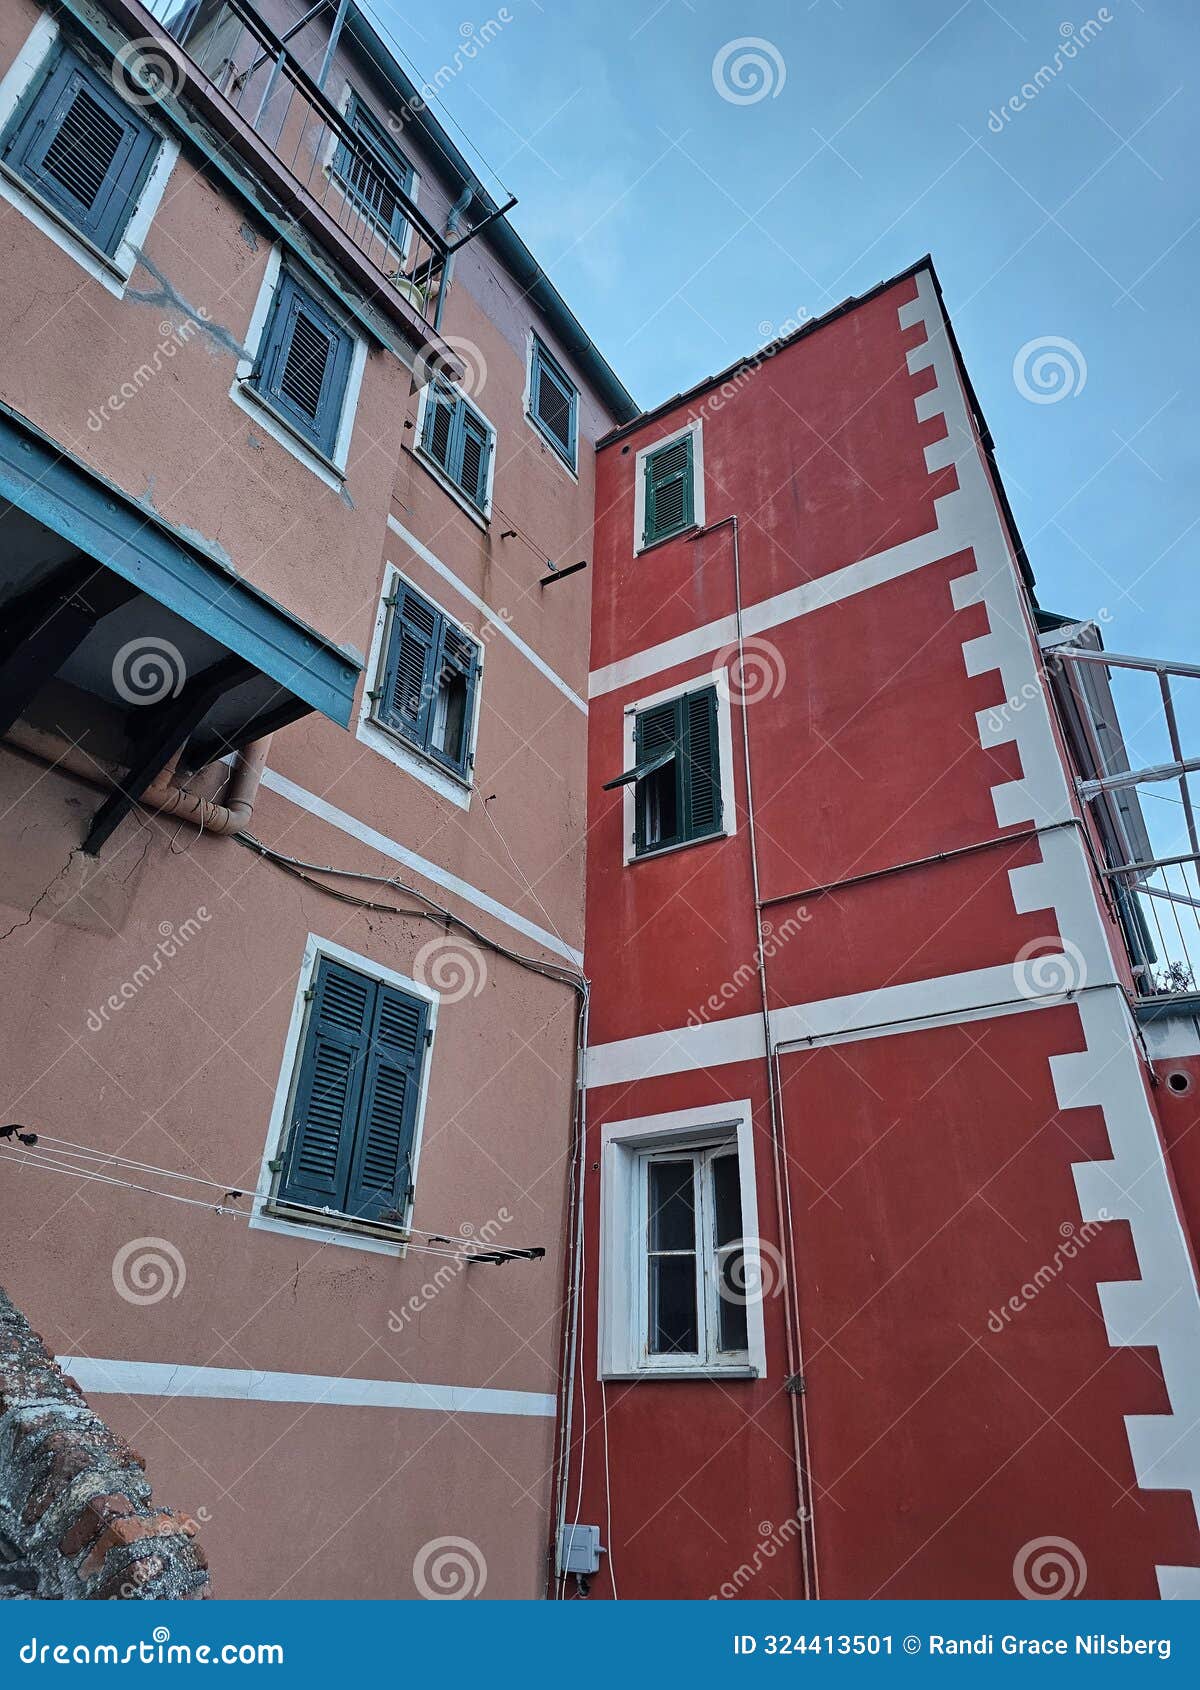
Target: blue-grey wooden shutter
670	490
409	678
473	450
329	1089
86	152
437	433
554	402
304	364
701	808
381	1170
377	176
459	654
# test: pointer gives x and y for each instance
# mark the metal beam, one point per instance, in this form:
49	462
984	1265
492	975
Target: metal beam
1136	777
1118	660
168	729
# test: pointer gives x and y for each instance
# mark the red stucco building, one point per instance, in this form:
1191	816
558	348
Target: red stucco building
890	1205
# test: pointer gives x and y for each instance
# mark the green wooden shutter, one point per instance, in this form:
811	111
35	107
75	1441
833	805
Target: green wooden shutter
670	490
409	678
701	776
457	657
656	730
381	1170
437	432
329	1088
473	451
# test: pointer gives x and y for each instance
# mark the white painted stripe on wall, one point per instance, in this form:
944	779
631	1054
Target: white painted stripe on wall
934	547
494	618
243	1384
387	847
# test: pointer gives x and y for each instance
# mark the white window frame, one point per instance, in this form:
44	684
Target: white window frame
483	517
571	470
696	429
718	678
386	741
331	470
348	1233
112	272
625	1147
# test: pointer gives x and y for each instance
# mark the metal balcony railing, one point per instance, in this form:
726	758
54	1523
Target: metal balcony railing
357	184
1153	862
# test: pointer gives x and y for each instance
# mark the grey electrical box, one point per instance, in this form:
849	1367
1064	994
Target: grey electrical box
579	1549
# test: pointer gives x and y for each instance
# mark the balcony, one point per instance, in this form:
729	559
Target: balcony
221	61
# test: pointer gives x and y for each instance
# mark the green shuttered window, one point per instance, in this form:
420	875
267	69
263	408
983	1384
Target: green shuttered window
459	441
554	403
676	775
81	149
430	681
350	1144
303	364
670	490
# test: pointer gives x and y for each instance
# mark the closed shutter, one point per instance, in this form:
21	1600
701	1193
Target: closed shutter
381	1171
473	455
670	495
328	1089
376	174
304	364
555	402
408	683
701	775
83	150
438	431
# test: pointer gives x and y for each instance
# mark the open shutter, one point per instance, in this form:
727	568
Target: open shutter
329	1089
84	150
475	449
410	676
656	740
438	428
457	658
305	364
670	496
381	1171
701	774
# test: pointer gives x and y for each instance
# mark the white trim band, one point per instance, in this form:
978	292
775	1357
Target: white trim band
495	619
243	1384
431	871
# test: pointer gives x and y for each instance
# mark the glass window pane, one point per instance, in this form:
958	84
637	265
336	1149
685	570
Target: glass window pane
672	1206
727	1199
731	1315
673	1324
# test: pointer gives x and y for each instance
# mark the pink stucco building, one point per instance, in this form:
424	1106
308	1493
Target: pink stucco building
292	432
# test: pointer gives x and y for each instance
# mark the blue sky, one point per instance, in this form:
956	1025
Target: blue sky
683	227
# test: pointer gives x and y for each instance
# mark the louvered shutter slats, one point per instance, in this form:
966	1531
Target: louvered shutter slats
670	497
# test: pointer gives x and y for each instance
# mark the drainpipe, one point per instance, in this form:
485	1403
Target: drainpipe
163	795
783	1200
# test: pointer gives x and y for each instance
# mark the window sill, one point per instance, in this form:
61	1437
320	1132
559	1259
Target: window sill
331	1228
252	400
481	518
683	845
742	1371
437	775
23	190
665	539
